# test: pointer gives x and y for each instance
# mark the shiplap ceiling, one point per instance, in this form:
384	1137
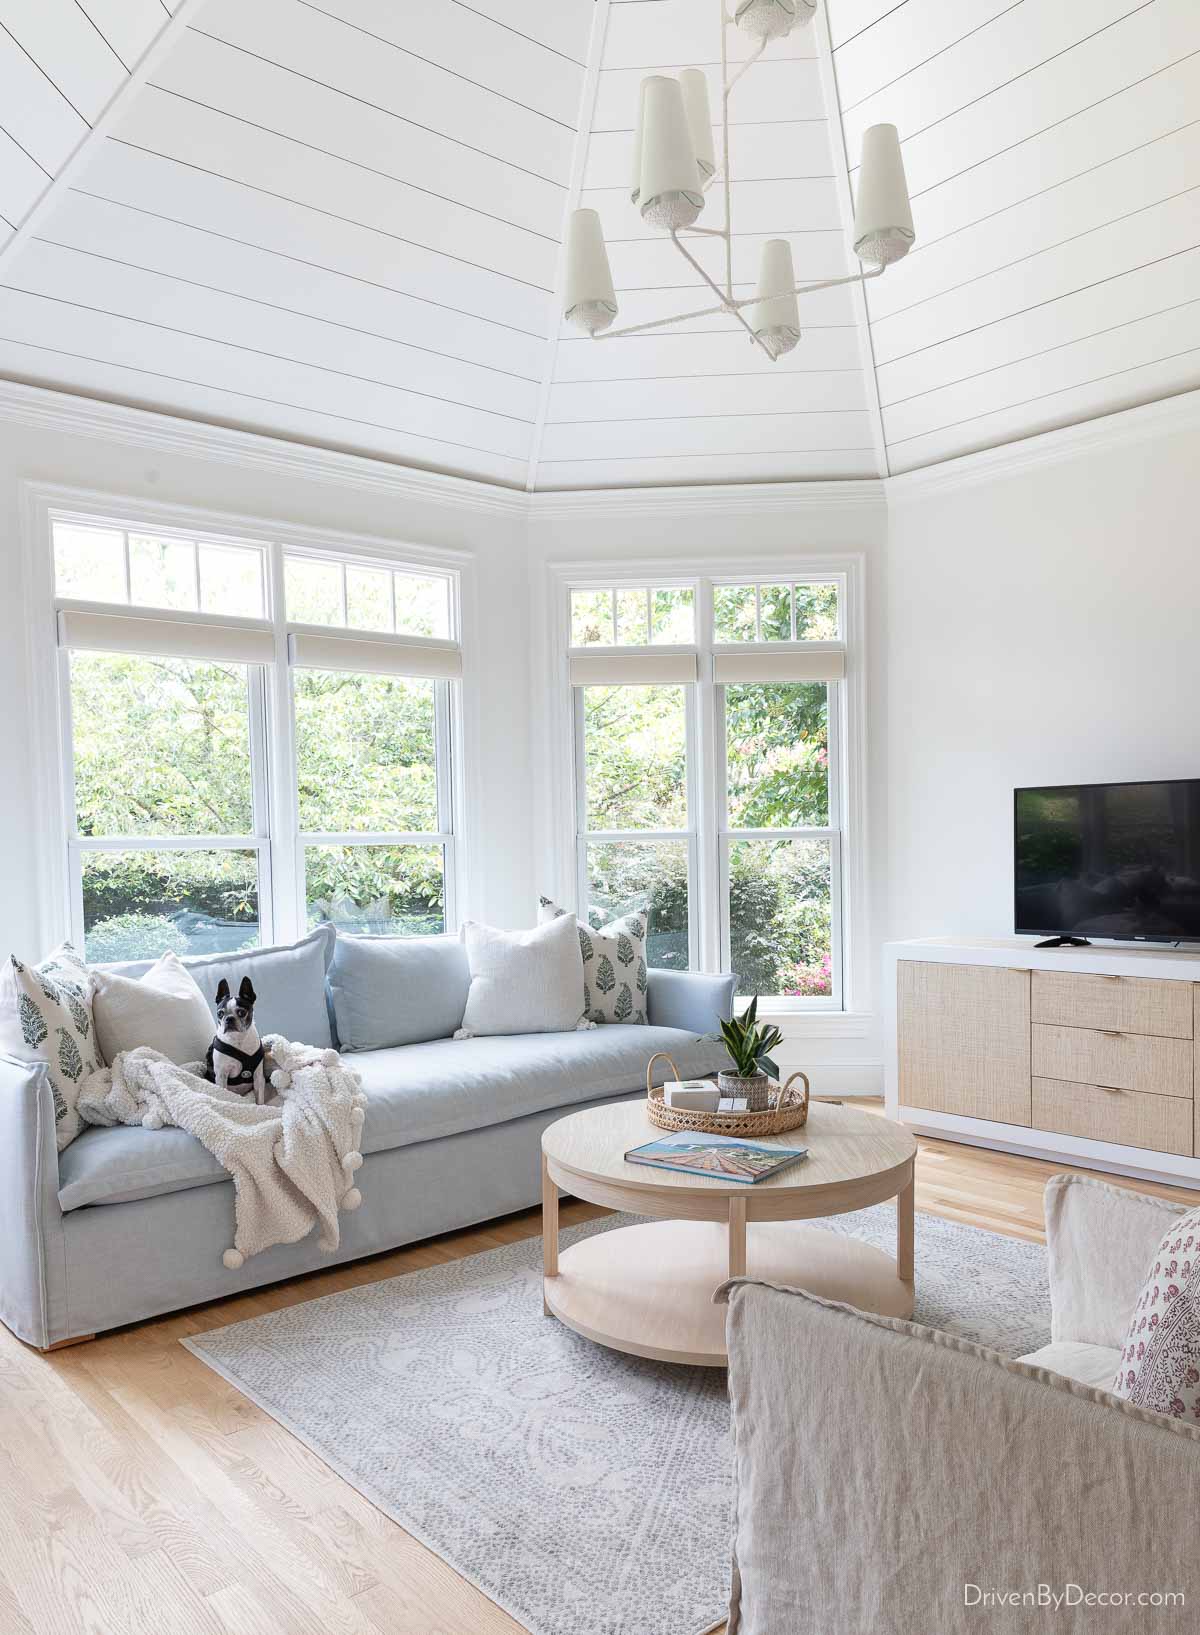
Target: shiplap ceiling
340	220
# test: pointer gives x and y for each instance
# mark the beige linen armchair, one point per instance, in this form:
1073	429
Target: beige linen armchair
891	1479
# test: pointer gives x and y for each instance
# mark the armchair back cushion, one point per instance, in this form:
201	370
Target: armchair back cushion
881	1468
1101	1240
397	990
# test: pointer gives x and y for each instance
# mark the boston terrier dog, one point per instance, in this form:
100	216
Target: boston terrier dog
235	1057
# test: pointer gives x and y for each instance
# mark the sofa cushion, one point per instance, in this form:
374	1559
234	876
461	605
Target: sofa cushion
397	990
288	979
416	1093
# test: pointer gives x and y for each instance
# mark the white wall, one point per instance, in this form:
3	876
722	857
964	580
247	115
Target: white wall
500	880
1042	628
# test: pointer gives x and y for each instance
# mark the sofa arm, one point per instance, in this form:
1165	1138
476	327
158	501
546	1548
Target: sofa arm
691	1000
32	1260
1100	1241
962	1471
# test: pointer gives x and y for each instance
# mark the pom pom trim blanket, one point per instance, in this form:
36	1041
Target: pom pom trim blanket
292	1160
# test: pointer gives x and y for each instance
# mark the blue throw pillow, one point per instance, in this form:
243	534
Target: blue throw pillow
397	990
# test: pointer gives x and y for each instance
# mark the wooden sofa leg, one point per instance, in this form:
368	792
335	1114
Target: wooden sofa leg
61	1345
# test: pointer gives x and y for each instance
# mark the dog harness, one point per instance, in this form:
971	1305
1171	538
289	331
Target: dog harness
250	1060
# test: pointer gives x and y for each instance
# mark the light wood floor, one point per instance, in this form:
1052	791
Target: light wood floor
140	1493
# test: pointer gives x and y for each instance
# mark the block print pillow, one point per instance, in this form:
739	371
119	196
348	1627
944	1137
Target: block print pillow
46	1016
1160	1361
615	978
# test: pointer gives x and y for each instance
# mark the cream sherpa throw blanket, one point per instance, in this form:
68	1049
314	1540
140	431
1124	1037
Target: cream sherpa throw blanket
292	1161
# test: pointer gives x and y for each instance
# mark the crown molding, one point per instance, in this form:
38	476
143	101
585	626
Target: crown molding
69	414
1123	428
710	499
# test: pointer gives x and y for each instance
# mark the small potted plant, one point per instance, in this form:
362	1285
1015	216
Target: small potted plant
749	1043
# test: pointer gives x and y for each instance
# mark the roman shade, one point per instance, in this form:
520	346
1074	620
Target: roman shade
313	651
165	638
760	664
639	669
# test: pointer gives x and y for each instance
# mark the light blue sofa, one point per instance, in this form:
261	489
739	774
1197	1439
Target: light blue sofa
127	1223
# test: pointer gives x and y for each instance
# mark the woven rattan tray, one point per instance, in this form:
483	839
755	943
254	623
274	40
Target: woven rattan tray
790	1111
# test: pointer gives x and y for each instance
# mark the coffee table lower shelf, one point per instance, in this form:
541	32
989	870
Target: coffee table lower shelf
647	1289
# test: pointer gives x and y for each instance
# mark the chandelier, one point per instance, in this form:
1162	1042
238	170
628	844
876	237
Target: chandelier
674	165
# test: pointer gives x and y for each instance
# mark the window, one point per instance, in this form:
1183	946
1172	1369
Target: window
232	775
709	789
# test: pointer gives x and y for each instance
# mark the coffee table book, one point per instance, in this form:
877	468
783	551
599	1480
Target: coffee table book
721	1157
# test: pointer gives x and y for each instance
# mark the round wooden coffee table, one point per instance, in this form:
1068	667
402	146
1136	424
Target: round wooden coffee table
647	1289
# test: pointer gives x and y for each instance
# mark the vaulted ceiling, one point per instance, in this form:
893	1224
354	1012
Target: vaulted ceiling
339	221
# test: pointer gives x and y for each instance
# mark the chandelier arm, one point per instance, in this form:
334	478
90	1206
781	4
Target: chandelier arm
728	305
822	284
659	323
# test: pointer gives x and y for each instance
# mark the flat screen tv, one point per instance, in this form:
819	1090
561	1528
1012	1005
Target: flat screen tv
1113	860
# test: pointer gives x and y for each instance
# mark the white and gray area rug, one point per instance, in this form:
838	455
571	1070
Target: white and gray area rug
585	1492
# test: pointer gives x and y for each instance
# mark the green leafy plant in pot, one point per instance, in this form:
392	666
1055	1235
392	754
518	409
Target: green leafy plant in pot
750	1043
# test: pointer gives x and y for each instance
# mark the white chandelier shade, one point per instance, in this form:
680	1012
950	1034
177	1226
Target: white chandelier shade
669	189
590	302
883	224
675	159
775	315
694	84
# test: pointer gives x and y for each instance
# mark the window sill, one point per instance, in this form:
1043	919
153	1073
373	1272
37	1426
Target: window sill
806	1024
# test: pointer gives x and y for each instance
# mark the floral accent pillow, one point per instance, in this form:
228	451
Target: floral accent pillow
1160	1361
615	979
46	1016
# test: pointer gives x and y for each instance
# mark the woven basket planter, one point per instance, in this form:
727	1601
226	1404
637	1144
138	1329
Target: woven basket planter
788	1111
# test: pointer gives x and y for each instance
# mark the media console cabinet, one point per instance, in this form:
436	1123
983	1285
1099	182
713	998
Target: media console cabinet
1090	1055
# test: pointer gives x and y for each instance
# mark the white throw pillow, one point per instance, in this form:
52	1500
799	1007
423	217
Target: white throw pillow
163	1009
615	979
46	1016
523	981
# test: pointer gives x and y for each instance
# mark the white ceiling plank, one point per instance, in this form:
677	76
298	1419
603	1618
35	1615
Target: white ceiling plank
128	26
1105	306
1099	66
763	466
110	381
1163	230
757	153
107	287
718	435
1115	192
1097	358
468	43
222	367
22	182
1015	45
850	18
35	114
1120	124
217	144
561	27
224	206
777	89
1147	383
911	36
309	43
216	76
770	388
724	351
679	33
95	228
59	37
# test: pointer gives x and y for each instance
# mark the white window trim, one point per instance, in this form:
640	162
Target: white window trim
281	911
846	1014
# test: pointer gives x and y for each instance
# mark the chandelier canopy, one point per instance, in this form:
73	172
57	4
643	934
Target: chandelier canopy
675	162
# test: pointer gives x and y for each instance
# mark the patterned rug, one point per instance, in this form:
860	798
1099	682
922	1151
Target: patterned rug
585	1492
